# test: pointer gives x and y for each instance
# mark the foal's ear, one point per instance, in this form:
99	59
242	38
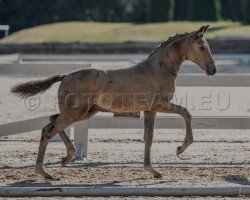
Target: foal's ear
201	31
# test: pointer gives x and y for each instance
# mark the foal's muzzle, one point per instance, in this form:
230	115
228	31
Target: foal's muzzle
211	69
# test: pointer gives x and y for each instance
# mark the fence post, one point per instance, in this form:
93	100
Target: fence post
81	139
6	33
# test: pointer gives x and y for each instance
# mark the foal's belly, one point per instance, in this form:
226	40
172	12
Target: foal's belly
121	102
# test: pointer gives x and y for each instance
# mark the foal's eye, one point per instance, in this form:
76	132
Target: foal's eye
202	48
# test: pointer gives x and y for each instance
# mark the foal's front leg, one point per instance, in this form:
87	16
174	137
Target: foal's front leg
176	109
189	133
149	118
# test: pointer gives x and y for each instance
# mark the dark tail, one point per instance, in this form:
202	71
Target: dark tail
34	87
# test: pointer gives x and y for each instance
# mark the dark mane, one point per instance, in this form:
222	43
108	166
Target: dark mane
166	42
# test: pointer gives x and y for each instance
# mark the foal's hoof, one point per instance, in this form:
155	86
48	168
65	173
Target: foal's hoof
43	173
179	151
48	176
158	175
65	161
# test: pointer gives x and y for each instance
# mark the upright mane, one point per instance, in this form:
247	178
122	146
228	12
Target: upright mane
168	41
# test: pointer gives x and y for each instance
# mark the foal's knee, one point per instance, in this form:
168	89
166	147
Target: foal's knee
148	138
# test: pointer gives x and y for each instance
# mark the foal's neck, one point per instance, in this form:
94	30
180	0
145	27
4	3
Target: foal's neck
170	56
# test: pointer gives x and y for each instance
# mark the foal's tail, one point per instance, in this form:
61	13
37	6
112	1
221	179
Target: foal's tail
34	87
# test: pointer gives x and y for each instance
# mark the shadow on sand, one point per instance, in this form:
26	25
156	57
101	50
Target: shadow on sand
242	180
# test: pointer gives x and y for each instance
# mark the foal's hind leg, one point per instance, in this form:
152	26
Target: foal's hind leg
149	118
48	132
71	150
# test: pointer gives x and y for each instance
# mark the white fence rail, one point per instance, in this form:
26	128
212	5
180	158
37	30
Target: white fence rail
162	122
65	191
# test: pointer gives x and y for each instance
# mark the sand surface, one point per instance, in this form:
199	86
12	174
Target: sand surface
115	159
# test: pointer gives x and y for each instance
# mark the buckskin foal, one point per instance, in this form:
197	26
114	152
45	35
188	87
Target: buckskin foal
148	86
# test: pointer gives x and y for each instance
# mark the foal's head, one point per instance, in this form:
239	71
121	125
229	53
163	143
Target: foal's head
199	52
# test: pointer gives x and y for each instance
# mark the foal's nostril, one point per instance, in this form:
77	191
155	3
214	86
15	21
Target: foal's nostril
211	70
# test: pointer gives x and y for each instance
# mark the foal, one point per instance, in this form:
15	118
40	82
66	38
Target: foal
148	86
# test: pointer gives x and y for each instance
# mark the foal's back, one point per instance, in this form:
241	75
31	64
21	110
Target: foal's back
130	79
